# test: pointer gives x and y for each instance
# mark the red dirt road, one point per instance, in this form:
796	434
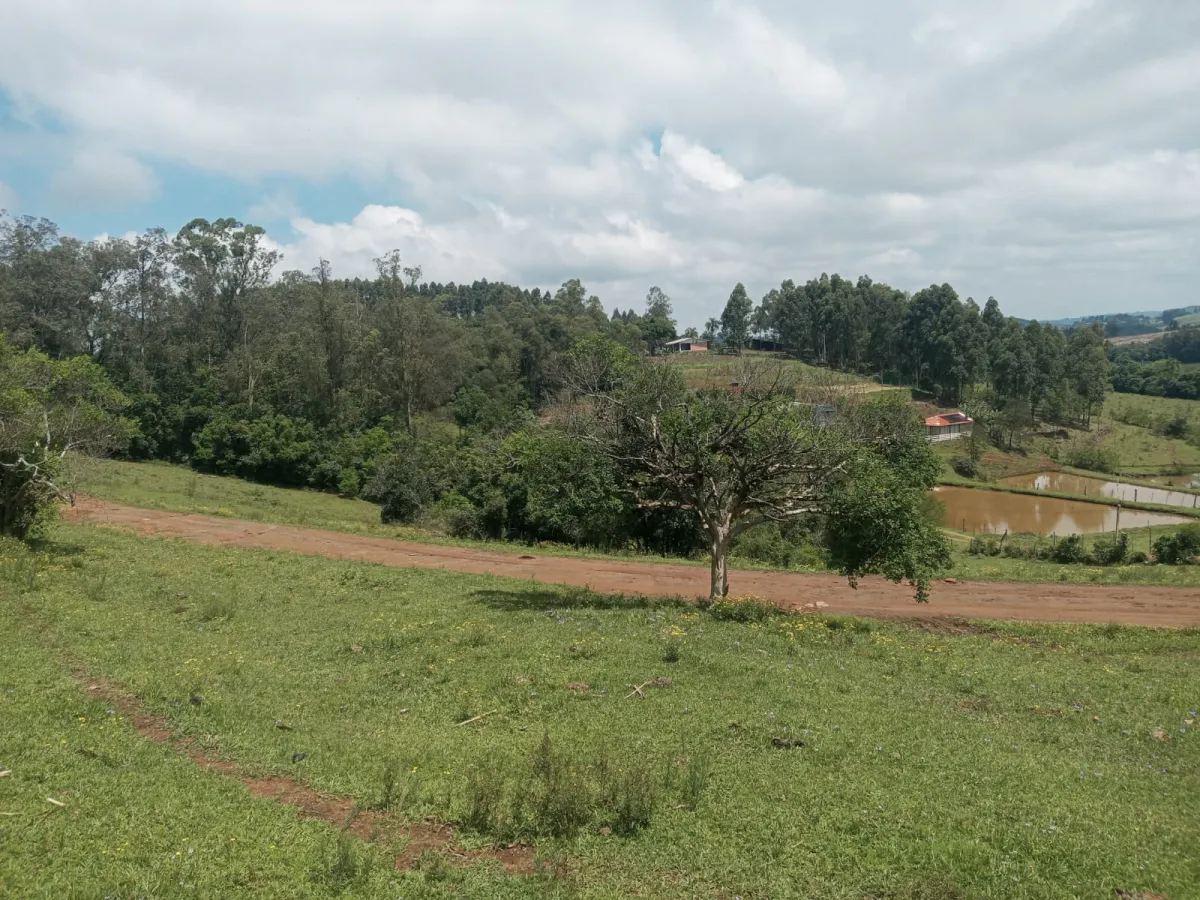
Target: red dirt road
1131	605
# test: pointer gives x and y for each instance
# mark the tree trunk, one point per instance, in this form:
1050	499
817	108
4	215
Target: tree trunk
719	547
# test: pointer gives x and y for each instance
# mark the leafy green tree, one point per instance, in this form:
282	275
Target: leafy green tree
50	410
657	326
222	264
416	349
569	493
735	320
1087	369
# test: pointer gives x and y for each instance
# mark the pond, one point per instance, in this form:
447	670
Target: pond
994	512
1062	483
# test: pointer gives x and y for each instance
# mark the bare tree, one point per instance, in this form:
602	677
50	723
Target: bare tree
765	448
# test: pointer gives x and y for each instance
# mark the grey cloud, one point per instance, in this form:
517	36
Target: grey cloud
1044	151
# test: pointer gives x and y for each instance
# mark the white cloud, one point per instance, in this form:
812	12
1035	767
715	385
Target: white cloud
8	198
1044	151
699	164
96	176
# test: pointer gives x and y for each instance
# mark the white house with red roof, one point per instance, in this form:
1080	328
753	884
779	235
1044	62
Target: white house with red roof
948	426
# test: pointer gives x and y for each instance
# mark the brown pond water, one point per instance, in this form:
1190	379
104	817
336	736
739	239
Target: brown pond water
1062	483
994	512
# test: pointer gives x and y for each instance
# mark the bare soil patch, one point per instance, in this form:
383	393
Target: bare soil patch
1130	605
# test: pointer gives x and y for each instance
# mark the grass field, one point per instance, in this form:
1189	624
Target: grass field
1160	407
1140	453
711	369
1006	761
1189	319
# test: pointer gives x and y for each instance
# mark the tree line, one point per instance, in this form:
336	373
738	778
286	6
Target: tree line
938	343
431	399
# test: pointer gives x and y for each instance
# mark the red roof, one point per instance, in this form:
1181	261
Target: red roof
954	418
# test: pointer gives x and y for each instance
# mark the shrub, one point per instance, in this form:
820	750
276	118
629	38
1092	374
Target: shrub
559	798
1110	550
350	461
630	800
743	608
566	492
1137	558
1173	427
984	545
454	515
402	485
48	407
1093	459
1179	548
273	449
965	466
1069	550
768	544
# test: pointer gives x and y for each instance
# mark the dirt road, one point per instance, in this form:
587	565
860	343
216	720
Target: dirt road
1133	605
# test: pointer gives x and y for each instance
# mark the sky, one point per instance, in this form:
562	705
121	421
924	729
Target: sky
1045	152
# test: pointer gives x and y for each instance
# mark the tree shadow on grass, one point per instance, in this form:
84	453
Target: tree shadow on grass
54	547
570	598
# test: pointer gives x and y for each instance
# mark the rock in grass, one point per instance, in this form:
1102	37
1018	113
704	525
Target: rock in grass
786	743
298	756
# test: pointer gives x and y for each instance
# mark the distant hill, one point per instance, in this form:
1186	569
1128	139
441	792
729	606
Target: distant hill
1191	318
1145	324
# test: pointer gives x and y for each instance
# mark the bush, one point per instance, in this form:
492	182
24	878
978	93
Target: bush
351	461
965	466
1180	548
769	544
1069	550
984	545
1093	459
48	407
454	515
1110	550
402	485
743	608
273	449
1174	427
564	491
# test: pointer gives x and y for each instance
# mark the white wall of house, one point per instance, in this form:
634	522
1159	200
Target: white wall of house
947	432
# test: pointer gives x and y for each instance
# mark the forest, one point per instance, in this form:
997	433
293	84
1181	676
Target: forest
426	396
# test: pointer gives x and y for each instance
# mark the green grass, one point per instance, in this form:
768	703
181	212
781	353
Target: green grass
708	369
1139	450
1189	319
1140	453
935	765
139	820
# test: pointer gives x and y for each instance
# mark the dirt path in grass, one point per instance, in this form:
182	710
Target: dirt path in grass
1131	605
341	812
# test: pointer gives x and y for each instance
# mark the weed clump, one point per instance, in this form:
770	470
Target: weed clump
742	608
556	795
217	608
342	868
